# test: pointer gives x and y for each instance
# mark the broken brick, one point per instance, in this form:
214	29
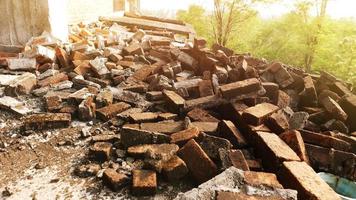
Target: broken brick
229	131
27	64
273	150
199	164
174	169
198	114
174	100
114	180
112	110
182	137
240	89
257	179
144	182
334	108
21	85
258	114
300	176
46	121
101	151
295	141
277	123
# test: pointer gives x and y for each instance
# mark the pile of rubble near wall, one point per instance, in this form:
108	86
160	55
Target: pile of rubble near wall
181	109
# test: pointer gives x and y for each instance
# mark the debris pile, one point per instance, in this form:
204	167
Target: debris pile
178	109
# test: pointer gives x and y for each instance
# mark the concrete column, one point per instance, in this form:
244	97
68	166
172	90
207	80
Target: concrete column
22	19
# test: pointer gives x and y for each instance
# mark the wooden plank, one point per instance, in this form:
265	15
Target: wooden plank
149	24
171	21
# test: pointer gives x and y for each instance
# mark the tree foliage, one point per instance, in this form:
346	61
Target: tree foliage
289	38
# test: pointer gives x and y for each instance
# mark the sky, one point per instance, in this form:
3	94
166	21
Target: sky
336	8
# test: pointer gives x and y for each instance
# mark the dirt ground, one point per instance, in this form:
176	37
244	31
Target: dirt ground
40	165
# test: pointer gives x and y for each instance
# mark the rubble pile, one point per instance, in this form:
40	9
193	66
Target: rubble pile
178	110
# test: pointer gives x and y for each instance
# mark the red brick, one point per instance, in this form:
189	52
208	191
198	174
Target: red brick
46	121
257	179
184	136
221	195
309	97
325	141
174	100
241	88
199	164
238	160
62	57
101	151
205	88
134	49
53	80
144	182
273	150
348	104
112	110
201	115
174	169
277	123
114	180
229	131
258	114
295	141
301	177
334	108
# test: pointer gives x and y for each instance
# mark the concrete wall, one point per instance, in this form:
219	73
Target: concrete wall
22	19
88	10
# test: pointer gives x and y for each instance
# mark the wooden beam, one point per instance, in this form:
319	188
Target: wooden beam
149	24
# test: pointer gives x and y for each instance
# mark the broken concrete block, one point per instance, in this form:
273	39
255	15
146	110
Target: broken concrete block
295	141
258	114
98	66
101	151
298	120
211	145
241	89
334	108
21	85
199	164
198	114
300	176
111	111
229	131
273	150
42	54
133	137
184	136
46	121
174	169
144	182
14	105
25	64
114	180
